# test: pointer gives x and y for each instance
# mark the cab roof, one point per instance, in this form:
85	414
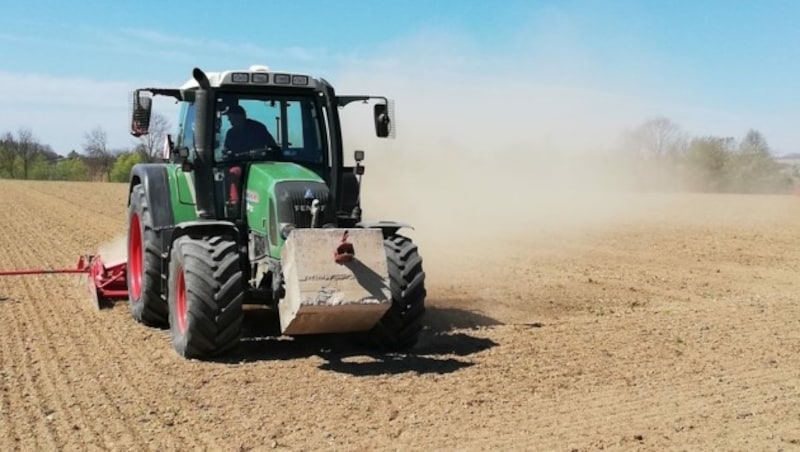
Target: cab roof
255	76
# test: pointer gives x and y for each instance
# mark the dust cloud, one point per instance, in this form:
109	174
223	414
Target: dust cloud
492	158
493	154
114	251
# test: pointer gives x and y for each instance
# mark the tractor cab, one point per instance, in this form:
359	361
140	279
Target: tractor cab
261	127
282	130
287	120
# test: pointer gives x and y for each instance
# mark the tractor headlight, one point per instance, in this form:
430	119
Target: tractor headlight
240	77
259	78
281	79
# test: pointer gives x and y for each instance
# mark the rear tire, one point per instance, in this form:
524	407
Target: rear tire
205	296
144	264
400	327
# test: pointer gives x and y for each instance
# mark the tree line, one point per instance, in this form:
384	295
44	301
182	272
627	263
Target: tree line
673	158
23	156
658	149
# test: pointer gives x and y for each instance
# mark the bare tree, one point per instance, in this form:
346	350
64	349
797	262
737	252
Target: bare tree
152	144
27	149
657	137
96	147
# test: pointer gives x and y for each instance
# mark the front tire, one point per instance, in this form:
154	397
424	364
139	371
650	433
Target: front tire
205	296
144	264
401	326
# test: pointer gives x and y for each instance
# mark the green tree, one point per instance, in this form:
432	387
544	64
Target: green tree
72	169
752	168
8	155
706	160
122	167
18	167
41	168
23	156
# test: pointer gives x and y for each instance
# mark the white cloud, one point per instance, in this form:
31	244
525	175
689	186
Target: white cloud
44	90
545	88
156	37
136	39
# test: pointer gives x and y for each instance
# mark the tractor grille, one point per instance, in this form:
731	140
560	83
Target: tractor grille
294	201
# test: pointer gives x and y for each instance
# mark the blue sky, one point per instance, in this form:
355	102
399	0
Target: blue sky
587	68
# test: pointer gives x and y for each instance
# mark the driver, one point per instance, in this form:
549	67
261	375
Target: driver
246	134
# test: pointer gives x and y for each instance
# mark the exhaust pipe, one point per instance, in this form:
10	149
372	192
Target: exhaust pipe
203	142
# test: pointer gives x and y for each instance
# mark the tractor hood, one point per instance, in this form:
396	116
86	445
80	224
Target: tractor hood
272	172
281	196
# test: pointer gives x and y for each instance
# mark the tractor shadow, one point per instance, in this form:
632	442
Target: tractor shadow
440	350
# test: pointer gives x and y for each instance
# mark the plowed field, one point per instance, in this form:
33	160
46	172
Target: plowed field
676	326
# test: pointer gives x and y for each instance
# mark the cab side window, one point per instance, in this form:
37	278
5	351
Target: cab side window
187	129
184	138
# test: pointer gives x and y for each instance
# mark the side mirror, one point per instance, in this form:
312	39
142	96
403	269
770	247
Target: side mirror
141	110
383	120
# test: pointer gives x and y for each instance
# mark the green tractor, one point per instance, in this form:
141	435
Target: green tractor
253	205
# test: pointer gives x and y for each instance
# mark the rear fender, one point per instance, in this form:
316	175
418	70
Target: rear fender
154	178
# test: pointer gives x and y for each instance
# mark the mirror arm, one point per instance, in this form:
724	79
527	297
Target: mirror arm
169	92
344	100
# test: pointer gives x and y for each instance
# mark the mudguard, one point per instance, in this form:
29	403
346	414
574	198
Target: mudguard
154	178
388	227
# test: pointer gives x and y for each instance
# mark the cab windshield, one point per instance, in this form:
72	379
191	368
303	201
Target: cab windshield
269	127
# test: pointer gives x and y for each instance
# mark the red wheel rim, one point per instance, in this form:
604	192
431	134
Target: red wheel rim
180	301
135	257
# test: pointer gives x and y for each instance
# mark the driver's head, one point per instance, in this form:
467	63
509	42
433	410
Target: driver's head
236	115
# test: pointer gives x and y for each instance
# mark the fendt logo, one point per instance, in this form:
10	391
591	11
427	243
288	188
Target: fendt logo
307	208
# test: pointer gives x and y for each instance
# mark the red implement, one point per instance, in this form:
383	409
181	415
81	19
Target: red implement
107	280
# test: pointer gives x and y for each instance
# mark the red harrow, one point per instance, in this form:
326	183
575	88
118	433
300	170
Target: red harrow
107	280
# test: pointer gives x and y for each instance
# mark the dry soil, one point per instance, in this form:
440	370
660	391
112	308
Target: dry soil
673	326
